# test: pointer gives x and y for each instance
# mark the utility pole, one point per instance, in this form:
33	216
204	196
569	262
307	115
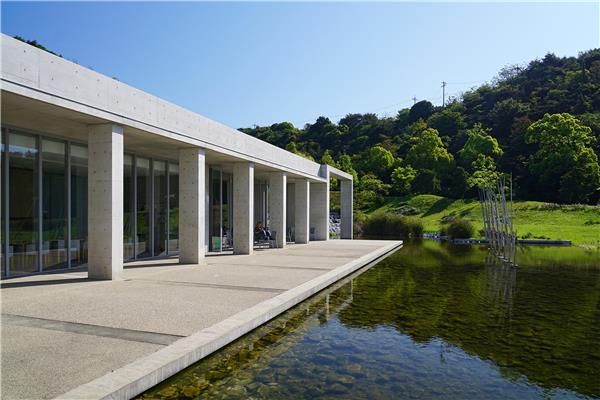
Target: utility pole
444	93
414	99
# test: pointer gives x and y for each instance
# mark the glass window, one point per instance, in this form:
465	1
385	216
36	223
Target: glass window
227	212
215	210
160	207
173	207
128	209
144	196
54	205
22	203
79	208
2	199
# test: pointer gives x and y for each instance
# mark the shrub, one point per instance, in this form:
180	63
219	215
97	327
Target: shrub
359	222
459	229
392	225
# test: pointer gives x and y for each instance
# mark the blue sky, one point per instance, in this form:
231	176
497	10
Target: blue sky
259	63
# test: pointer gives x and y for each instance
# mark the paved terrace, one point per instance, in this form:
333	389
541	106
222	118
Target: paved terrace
60	331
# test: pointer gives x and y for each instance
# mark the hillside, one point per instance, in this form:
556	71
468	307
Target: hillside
578	223
538	122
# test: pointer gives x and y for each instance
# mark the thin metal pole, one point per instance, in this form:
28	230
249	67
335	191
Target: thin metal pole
483	214
503	218
512	230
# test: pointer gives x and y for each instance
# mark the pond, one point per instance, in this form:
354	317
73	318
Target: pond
431	320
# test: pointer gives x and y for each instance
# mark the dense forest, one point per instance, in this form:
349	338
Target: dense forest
540	123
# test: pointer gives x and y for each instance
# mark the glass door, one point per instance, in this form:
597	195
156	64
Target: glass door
143	207
227	212
220	214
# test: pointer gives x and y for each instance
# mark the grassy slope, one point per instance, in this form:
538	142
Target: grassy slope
533	219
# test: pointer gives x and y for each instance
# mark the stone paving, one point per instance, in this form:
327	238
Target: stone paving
60	331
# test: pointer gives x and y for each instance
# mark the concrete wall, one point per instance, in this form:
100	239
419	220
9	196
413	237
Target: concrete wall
38	74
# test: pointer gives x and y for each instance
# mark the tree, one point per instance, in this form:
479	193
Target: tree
328	159
564	164
292	147
484	171
402	178
345	164
420	110
479	142
378	160
426	182
35	43
372	191
447	122
429	152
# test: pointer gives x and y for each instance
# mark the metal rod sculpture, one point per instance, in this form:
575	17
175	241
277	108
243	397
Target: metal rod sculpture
498	220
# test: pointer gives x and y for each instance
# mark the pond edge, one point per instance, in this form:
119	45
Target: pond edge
148	371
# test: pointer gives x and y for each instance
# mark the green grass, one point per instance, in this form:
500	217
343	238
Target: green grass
535	220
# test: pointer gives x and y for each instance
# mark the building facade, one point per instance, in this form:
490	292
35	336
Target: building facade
96	173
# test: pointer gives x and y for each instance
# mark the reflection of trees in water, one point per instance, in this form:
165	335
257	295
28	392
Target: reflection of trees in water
501	286
541	322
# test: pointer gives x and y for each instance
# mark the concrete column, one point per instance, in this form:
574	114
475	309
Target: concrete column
105	201
277	207
301	210
191	205
346	195
319	209
243	208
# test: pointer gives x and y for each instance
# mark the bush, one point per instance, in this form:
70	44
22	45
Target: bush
359	221
459	229
392	225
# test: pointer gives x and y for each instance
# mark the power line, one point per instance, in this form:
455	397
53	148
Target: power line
465	83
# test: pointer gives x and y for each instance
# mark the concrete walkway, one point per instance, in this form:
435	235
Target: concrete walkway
60	331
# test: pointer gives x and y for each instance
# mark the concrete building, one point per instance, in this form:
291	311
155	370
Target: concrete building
97	173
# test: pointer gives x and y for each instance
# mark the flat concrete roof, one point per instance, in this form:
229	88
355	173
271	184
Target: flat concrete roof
63	334
42	91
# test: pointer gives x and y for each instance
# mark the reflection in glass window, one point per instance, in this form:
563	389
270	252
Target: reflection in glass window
79	209
3	199
22	203
54	205
173	207
128	209
215	210
143	200
160	207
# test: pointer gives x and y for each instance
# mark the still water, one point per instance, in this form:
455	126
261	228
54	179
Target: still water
431	321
